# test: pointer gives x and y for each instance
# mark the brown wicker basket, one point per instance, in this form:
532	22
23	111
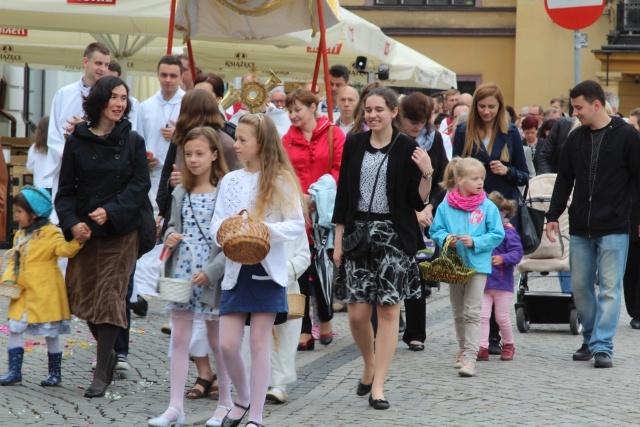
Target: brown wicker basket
9	290
243	240
296	306
449	268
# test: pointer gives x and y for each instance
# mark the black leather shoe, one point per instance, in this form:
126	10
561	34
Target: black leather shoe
583	354
363	389
90	392
495	348
603	360
378	403
230	422
416	347
140	307
635	323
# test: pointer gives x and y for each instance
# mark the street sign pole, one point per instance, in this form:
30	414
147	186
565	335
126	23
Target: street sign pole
577	60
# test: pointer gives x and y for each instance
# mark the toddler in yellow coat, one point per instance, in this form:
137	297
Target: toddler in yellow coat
42	308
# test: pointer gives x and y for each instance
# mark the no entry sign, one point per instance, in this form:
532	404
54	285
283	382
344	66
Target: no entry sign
574	14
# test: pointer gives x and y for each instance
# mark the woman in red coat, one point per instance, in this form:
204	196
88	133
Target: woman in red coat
308	143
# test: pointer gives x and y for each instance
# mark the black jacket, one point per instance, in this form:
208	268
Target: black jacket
98	172
606	209
403	180
439	162
551	150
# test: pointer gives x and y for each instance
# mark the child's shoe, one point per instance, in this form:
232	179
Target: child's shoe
468	368
483	355
14	376
508	350
55	376
459	358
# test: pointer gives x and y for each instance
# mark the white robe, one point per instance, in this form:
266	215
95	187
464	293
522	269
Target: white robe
285	337
152	115
279	117
67	103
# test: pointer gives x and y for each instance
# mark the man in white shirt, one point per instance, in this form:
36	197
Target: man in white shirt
348	98
66	110
156	121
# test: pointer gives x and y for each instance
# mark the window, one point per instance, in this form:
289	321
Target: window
425	2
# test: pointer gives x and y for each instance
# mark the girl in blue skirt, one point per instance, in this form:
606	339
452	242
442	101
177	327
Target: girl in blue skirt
268	188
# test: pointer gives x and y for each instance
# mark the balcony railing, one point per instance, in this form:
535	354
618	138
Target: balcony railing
628	17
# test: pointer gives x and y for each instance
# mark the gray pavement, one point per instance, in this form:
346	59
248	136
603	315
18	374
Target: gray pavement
541	386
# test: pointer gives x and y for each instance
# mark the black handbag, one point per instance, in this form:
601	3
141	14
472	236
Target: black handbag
357	244
530	224
147	233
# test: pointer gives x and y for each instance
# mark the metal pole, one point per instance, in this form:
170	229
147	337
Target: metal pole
172	21
577	46
325	60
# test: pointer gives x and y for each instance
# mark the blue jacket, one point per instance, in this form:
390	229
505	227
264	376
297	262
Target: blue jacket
510	249
484	225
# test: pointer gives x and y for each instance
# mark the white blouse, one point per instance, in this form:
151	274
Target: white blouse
238	190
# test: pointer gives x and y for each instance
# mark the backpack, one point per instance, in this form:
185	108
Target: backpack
147	231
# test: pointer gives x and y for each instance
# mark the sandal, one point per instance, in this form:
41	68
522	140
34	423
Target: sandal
195	393
214	391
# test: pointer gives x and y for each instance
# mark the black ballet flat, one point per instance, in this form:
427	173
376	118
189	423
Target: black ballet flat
91	392
363	389
379	404
416	347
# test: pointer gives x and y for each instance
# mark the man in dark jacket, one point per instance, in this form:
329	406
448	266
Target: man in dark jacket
600	164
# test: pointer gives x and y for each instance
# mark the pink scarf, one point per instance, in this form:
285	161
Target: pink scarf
469	204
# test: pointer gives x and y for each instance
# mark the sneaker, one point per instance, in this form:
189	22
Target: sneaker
483	355
468	368
459	358
277	394
495	348
140	307
123	364
603	360
583	354
508	350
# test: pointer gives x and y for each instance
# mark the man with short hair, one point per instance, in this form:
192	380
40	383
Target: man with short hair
634	118
438	105
557	103
447	124
537	111
278	98
66	110
338	78
348	98
600	165
451	98
551	113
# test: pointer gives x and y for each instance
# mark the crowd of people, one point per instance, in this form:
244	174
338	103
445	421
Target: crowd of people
390	173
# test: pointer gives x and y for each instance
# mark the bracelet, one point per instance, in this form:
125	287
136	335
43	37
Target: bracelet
427	175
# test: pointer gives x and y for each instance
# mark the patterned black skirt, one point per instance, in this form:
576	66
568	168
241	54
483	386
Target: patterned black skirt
387	276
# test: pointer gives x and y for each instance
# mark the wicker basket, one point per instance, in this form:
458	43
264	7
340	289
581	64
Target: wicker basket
449	268
176	290
296	306
9	290
243	240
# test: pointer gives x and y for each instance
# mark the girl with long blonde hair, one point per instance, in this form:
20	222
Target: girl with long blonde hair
256	295
489	137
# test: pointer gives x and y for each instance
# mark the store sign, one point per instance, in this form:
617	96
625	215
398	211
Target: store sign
103	2
9	31
331	51
7	54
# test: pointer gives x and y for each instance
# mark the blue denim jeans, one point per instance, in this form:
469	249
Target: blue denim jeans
564	277
603	259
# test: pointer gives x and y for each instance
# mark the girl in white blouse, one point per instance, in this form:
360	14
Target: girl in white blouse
268	188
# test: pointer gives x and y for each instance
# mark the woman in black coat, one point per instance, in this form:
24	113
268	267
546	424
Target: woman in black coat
100	193
416	111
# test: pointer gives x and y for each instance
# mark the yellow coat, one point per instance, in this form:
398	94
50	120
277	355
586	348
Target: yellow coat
45	295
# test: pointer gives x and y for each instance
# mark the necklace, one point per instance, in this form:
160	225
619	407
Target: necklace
166	120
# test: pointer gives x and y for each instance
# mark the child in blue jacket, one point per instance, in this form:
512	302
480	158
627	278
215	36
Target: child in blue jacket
499	289
474	223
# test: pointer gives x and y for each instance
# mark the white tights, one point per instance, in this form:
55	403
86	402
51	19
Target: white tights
231	331
53	344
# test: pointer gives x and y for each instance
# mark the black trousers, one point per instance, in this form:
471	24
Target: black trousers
631	280
121	345
325	311
415	311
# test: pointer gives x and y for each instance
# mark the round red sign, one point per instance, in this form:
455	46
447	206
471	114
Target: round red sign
574	14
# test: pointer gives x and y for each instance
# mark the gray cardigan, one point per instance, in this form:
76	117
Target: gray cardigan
214	269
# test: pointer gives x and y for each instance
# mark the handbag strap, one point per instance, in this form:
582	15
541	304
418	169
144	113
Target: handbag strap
196	220
177	247
375	183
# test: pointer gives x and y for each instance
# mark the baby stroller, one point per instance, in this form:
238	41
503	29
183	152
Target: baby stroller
545	307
